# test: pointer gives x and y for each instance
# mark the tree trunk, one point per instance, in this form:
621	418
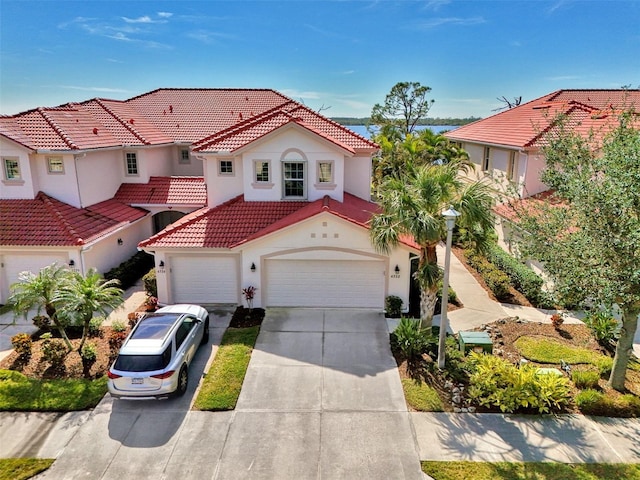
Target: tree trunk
53	315
624	347
428	299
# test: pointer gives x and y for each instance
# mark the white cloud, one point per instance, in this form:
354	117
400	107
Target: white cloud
206	36
436	4
144	19
439	21
309	95
165	14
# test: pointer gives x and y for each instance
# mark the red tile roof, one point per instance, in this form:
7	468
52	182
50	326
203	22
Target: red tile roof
509	209
45	221
522	126
237	221
164	191
166	116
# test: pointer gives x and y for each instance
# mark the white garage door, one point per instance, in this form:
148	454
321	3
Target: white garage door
325	283
204	280
14	264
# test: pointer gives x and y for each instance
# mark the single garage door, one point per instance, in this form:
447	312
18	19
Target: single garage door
325	283
204	280
14	264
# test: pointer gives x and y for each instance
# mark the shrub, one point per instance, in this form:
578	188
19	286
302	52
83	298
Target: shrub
557	320
94	326
54	351
410	339
22	344
118	326
150	284
116	336
496	383
589	400
89	355
585	379
603	326
496	280
129	271
42	322
393	306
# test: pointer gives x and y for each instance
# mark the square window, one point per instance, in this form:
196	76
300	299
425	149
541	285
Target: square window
226	167
11	169
325	172
293	177
55	165
184	157
262	171
131	159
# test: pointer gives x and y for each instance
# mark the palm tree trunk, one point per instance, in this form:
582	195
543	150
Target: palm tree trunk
428	301
624	347
53	315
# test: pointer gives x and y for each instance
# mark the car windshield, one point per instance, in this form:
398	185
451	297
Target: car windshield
143	363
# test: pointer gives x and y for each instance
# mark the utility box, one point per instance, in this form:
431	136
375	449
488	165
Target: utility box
475	341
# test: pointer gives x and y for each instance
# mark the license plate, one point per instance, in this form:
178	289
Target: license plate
137	381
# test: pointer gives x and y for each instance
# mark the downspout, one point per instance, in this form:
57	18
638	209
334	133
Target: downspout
75	163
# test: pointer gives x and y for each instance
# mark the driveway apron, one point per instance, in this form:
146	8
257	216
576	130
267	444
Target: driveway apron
322	399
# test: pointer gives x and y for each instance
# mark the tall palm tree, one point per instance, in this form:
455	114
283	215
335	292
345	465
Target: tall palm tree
82	296
40	291
412	205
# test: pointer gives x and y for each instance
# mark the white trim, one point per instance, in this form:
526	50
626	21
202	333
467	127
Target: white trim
232	173
55	172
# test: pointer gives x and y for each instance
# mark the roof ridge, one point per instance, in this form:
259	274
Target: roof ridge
47	201
65	138
124	123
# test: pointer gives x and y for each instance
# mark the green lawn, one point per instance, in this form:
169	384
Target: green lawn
221	385
19	393
421	396
22	468
551	351
529	471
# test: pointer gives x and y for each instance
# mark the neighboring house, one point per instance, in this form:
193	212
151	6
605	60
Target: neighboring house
227	188
507	145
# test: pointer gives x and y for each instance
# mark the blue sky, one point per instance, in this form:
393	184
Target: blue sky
340	55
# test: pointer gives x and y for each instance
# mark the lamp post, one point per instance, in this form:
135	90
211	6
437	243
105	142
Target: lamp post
450	216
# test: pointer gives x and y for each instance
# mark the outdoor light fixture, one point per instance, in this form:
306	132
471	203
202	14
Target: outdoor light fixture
253	267
120	242
397	270
450	216
72	263
161	264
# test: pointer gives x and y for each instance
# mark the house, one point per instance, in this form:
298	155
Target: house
227	188
507	146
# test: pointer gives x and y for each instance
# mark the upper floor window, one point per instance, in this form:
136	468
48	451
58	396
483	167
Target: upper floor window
293	174
225	167
184	156
11	167
55	165
511	165
131	163
486	159
261	171
325	172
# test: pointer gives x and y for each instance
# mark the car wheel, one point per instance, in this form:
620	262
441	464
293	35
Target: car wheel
205	335
183	381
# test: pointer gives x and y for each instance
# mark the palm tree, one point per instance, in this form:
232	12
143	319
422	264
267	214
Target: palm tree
411	206
40	291
82	296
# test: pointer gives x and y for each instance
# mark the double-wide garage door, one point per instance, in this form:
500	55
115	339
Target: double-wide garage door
325	283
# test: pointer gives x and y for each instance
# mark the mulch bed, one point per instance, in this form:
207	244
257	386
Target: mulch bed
245	317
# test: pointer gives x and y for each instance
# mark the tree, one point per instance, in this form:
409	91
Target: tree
40	291
587	235
412	205
82	296
508	104
404	106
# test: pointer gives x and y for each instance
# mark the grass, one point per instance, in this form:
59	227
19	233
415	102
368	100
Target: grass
22	468
221	385
529	471
551	351
19	393
421	396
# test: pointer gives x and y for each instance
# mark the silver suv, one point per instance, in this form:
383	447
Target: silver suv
154	358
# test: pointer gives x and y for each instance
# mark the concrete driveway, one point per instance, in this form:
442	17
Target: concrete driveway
321	400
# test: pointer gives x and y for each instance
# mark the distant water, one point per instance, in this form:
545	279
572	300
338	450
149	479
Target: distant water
362	129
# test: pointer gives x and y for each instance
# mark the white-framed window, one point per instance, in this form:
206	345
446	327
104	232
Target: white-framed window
293	178
325	172
225	167
11	167
55	165
511	165
262	173
131	163
486	160
185	159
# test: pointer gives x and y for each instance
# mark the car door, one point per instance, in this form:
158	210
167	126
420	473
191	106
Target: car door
186	344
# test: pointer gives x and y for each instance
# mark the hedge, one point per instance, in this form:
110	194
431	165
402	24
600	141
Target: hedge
130	271
496	280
